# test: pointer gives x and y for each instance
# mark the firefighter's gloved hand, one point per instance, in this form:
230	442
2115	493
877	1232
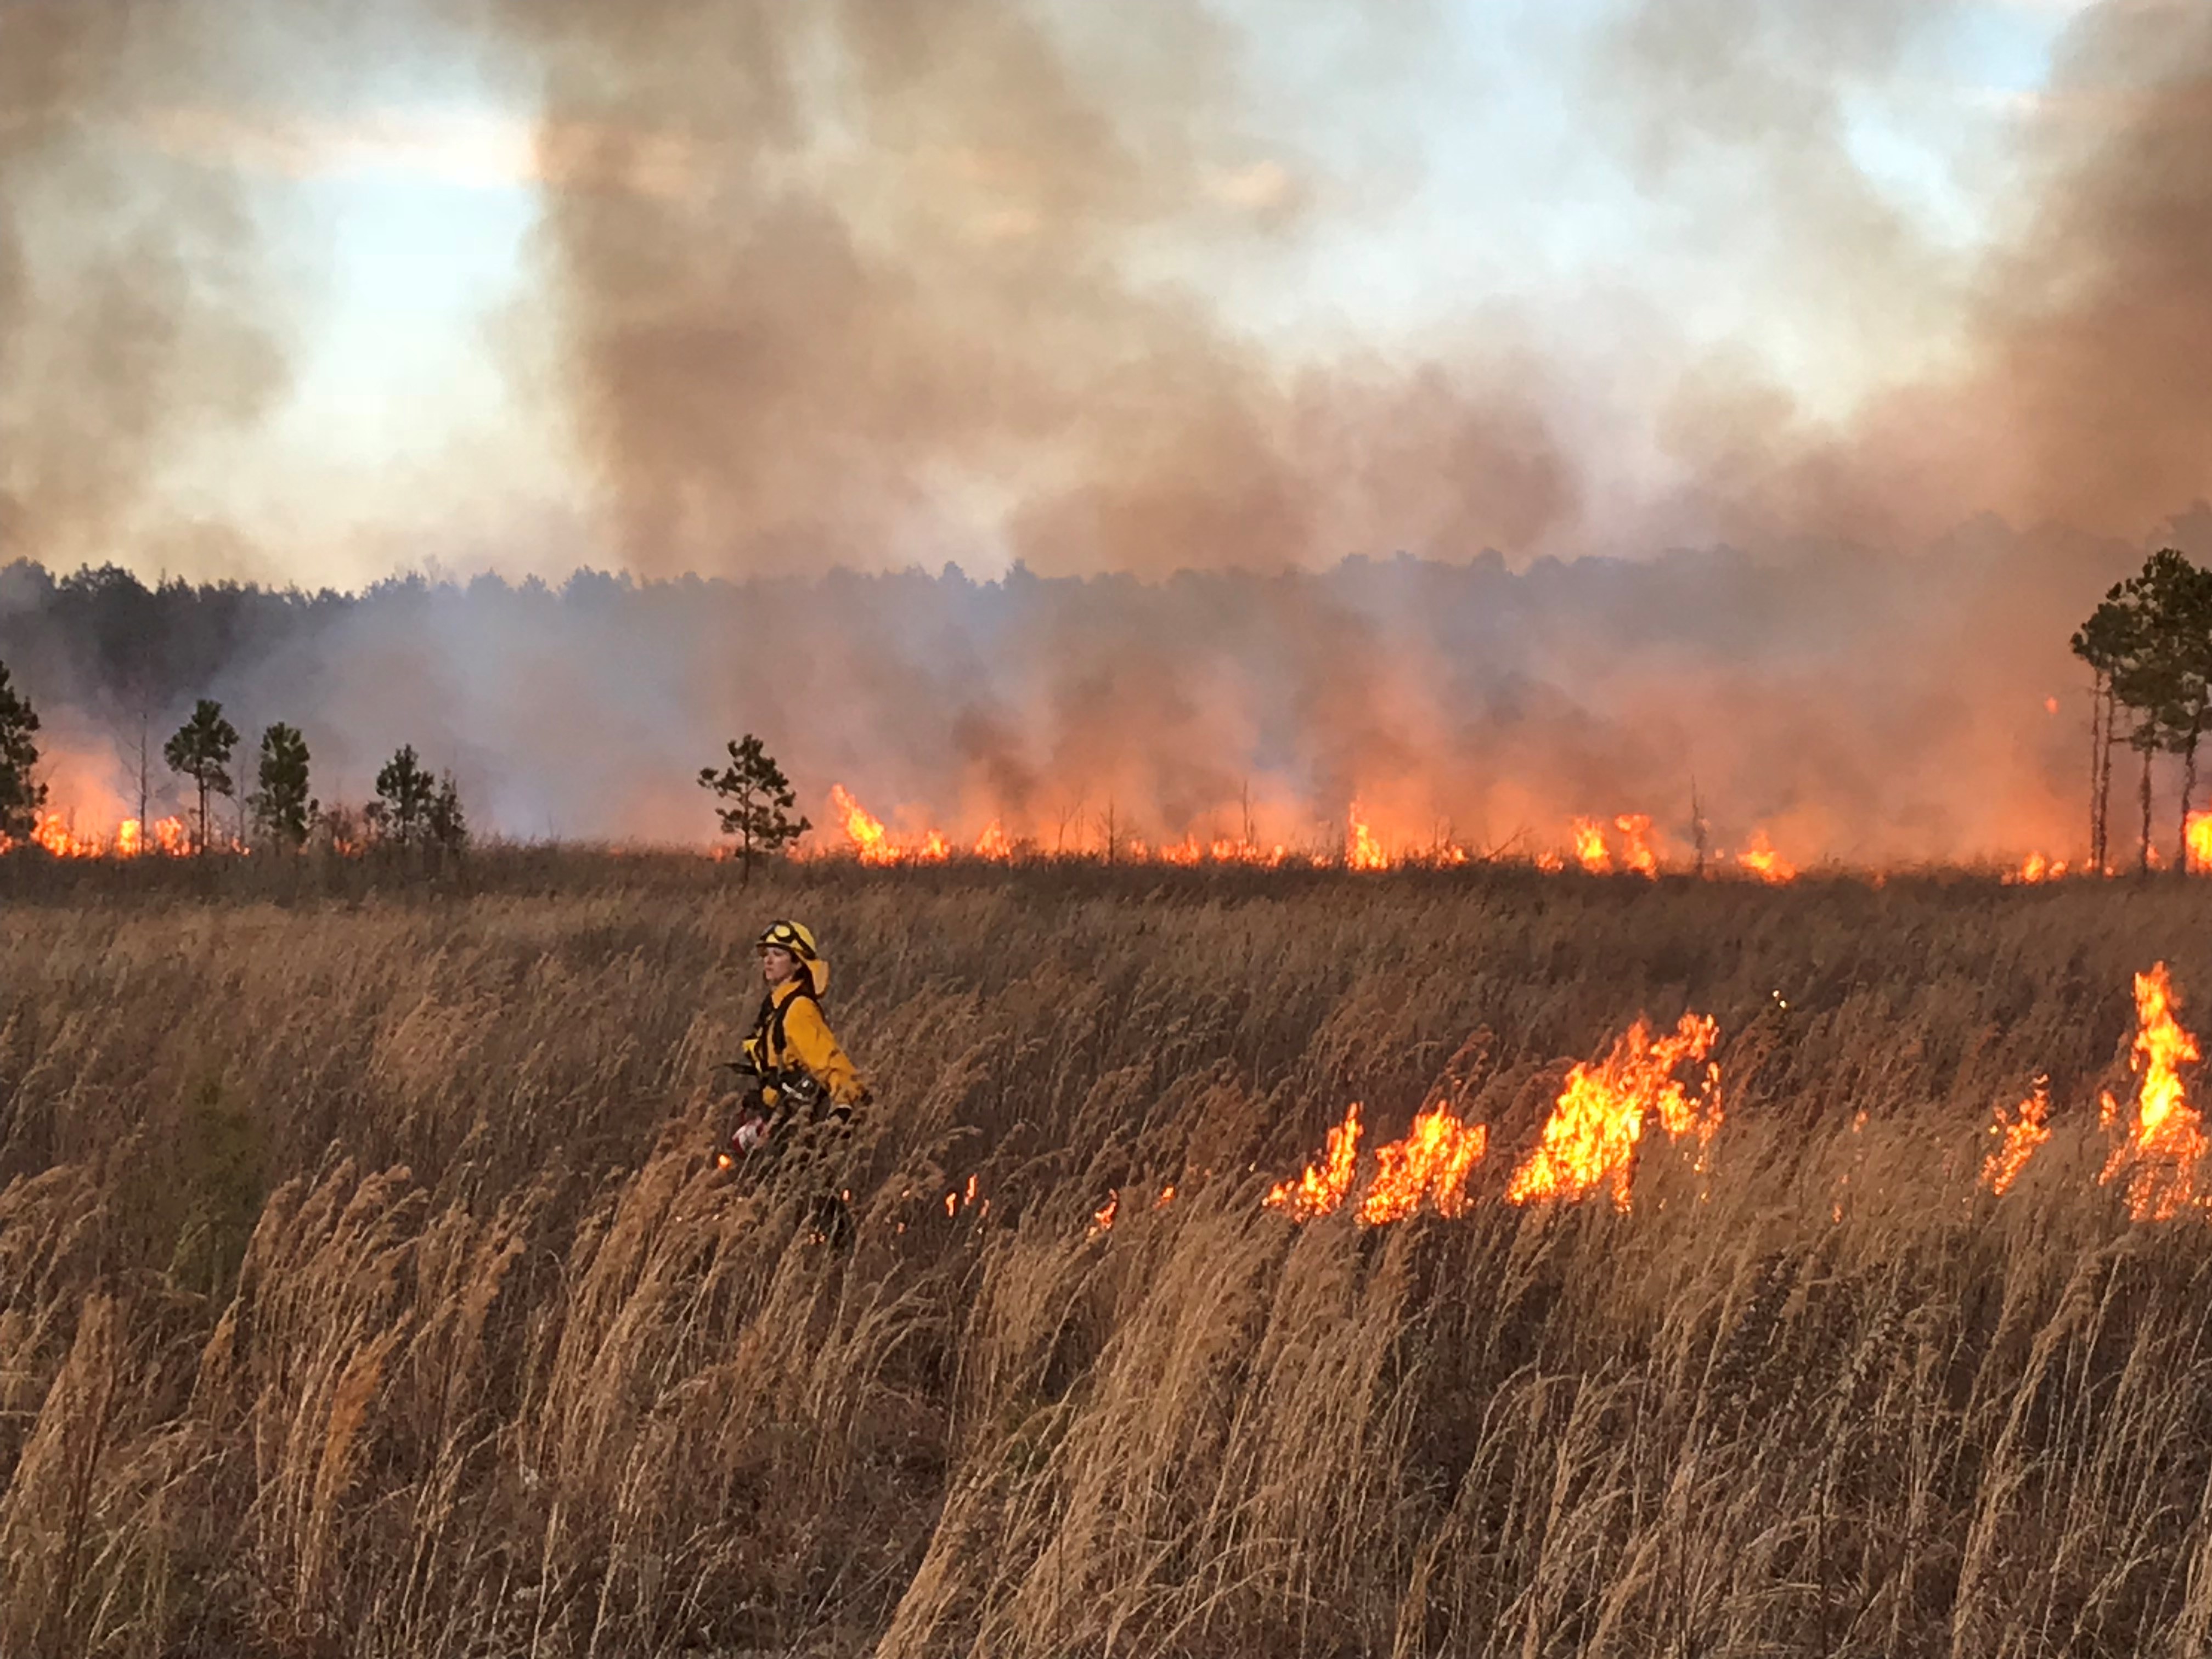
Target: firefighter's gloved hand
752	1136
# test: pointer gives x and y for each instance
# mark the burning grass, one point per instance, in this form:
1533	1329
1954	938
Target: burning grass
364	1290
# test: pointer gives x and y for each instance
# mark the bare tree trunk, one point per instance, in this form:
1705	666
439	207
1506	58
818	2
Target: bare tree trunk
145	718
2104	784
1698	826
2142	865
2098	738
2188	790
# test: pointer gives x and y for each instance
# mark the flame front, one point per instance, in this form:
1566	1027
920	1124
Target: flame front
1432	1162
57	834
2022	1131
1323	1188
2164	1145
1590	1141
1625	841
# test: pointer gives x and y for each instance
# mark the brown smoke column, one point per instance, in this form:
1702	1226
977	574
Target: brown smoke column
821	268
134	313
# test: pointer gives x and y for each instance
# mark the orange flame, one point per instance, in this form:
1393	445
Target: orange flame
2164	1145
1636	843
2200	843
1762	861
870	840
1102	1219
1323	1188
2022	1131
1433	1161
51	831
993	843
1362	851
2036	869
1590	1141
57	834
1589	847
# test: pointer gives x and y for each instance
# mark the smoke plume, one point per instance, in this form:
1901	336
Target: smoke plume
883	287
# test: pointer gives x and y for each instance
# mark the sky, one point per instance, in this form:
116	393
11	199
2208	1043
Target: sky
1477	185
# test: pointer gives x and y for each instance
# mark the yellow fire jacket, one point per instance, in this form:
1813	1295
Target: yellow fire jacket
791	1037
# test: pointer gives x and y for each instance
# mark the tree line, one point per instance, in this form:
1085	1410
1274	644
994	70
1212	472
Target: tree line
2149	649
412	811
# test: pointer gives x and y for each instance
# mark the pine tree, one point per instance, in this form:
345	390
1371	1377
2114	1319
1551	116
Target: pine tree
282	807
444	823
21	796
761	798
201	751
400	814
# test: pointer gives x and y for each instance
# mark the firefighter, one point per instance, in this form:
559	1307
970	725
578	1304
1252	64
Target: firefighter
801	1077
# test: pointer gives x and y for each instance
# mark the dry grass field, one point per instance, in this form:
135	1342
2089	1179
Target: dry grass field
366	1288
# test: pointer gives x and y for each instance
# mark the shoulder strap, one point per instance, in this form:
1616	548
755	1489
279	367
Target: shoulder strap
774	1014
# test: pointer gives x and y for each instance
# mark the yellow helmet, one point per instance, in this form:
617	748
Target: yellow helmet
796	938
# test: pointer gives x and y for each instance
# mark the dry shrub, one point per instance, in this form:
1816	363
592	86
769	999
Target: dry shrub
366	1289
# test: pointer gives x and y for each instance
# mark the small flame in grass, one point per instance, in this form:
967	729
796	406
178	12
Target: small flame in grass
1762	861
1102	1219
1324	1186
1433	1162
2022	1132
1362	851
1590	1141
2166	1141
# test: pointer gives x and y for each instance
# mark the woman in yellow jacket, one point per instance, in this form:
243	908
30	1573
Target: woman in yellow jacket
792	1053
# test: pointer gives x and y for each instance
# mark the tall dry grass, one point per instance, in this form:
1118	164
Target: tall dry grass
364	1289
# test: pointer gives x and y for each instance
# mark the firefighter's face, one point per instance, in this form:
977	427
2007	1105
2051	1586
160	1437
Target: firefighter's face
777	965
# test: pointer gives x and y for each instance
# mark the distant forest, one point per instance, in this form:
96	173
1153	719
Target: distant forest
1887	705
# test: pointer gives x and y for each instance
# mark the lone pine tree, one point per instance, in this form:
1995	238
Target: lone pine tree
760	801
